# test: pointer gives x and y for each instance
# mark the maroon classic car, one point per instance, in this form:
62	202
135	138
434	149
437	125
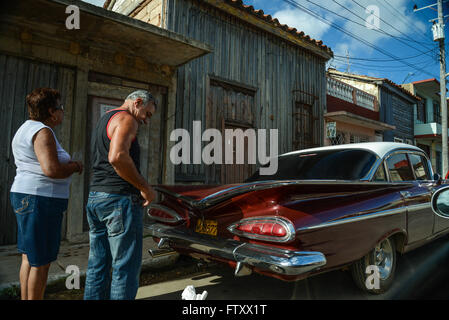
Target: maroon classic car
356	205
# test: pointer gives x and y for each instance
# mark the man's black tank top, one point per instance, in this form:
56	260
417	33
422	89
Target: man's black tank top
104	177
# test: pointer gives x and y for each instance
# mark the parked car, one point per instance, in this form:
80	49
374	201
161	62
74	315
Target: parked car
356	205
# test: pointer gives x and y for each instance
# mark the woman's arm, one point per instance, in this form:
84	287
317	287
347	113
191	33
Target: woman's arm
45	149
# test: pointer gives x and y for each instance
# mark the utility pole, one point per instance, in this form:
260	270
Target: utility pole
438	35
443	90
347	57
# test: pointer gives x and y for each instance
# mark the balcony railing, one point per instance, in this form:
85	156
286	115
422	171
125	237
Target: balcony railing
351	94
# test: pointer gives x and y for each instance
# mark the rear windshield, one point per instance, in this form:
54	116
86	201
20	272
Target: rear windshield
345	164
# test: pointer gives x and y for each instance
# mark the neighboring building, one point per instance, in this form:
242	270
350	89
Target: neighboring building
95	68
352	115
261	75
427	118
396	104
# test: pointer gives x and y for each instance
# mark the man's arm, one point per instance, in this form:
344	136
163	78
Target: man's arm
122	131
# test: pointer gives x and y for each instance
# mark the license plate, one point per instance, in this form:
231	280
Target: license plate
207	227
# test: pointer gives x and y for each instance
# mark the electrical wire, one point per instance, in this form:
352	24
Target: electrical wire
363	25
388	60
387	5
407	36
350	34
387	67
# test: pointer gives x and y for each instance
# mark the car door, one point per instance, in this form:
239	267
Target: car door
412	167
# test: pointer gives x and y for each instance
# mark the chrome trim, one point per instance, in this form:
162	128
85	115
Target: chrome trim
273	259
383	258
177	217
373	170
157	253
291	234
433	199
359	217
404	150
405	194
185	199
417	207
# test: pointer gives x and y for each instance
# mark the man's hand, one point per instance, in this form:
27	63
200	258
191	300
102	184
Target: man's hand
148	195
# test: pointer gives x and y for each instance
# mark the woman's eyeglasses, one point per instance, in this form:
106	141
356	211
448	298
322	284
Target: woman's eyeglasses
60	107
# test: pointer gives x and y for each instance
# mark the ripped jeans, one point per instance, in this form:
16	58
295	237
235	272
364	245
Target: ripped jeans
116	231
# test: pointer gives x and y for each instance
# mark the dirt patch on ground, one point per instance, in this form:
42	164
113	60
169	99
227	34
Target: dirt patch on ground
184	266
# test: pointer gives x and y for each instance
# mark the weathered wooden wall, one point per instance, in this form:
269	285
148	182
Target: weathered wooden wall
280	72
19	77
397	111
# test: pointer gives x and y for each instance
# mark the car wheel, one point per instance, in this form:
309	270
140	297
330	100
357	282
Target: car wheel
374	273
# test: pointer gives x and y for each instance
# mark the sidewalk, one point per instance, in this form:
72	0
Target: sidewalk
69	254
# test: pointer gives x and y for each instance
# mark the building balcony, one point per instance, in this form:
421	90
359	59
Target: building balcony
428	130
348	93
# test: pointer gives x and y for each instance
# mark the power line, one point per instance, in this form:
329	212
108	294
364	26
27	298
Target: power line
407	36
400	16
387	67
417	63
388	60
363	25
367	43
375	29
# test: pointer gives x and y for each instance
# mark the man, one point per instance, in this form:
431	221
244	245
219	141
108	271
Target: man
114	208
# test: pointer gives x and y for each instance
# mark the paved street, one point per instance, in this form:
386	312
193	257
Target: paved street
420	274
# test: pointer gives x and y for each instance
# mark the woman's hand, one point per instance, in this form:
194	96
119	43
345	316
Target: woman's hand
79	166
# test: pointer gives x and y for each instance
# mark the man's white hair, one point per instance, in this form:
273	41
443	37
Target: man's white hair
146	97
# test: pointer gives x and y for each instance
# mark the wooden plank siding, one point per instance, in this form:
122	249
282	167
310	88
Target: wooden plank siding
21	77
281	73
396	111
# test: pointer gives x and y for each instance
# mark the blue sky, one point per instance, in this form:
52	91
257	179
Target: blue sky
402	34
402	49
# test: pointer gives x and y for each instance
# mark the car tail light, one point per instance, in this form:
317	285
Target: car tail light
275	229
163	214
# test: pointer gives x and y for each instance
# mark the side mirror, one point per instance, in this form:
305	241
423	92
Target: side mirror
440	202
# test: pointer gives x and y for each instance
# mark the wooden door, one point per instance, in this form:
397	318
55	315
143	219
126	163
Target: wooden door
235	173
304	126
230	105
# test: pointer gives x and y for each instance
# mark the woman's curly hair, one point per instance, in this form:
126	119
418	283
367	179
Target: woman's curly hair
40	101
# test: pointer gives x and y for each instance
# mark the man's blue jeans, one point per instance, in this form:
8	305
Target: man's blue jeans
116	231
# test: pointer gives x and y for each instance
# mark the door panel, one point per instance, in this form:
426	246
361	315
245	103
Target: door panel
229	106
304	127
420	218
236	173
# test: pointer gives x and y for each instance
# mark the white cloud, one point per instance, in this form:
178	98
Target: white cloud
403	27
302	21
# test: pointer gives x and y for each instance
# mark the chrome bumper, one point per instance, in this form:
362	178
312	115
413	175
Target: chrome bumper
280	261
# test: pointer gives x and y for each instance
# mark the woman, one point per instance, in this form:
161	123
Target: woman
40	191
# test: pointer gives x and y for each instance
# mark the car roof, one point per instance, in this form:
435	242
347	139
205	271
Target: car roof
379	148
